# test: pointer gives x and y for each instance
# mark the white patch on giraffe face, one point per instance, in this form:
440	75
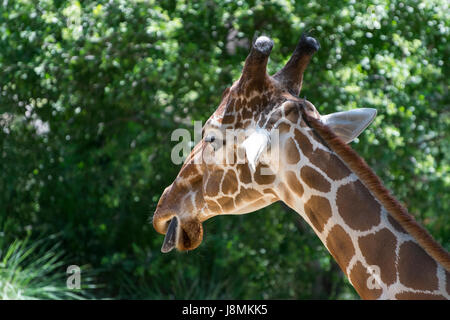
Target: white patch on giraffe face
255	145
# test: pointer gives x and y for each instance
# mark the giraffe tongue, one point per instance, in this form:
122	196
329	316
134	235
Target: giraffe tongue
171	236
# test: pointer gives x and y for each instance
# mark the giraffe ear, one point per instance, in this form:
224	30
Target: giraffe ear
349	124
254	146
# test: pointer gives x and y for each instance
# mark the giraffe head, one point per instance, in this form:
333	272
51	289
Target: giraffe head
239	166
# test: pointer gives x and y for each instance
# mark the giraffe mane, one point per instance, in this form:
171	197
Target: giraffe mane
368	177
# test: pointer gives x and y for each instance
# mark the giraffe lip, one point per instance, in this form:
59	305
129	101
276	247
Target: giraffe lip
170	239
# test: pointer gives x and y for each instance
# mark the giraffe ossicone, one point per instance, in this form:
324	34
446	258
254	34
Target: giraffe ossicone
383	251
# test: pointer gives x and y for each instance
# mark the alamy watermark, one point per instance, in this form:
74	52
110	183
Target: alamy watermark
74	277
374	280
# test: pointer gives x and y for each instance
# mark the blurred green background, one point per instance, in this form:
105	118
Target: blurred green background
91	90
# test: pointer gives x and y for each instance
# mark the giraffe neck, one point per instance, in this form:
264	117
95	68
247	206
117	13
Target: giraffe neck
378	256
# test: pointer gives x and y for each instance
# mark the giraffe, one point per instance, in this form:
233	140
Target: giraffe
379	246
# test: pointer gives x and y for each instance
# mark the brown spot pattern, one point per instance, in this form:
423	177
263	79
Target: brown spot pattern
293	183
359	276
246	113
229	118
418	296
263	178
213	184
230	183
377	248
340	246
417	270
274	117
357	206
239	118
247	195
237	103
256	101
245	175
292	155
270	191
314	179
293	115
303	142
315	137
395	224
188	171
199	200
227	203
284	127
318	210
212	205
326	161
329	163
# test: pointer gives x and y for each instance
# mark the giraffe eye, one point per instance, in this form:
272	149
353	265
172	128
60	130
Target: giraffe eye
210	138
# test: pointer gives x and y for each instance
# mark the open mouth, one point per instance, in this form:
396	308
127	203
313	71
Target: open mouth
170	239
183	235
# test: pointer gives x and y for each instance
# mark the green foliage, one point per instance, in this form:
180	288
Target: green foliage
33	271
91	90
